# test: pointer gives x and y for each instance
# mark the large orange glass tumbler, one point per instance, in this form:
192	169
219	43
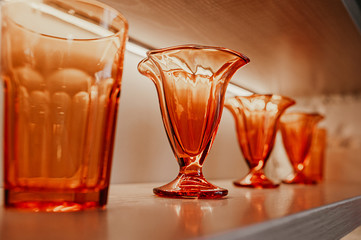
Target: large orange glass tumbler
191	82
297	132
61	64
257	118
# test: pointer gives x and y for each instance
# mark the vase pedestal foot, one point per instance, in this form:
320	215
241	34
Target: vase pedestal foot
255	180
299	179
185	186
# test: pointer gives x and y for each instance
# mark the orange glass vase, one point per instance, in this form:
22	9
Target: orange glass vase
256	120
297	132
191	82
315	160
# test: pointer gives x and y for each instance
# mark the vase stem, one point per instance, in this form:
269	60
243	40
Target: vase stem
193	169
255	179
298	177
258	167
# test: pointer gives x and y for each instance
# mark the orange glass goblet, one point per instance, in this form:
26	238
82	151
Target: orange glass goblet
297	131
191	82
256	119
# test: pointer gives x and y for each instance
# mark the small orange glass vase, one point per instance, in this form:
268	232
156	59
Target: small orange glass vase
256	120
315	159
191	82
297	132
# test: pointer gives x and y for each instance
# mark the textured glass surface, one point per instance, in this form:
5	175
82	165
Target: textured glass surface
191	82
61	63
256	120
314	163
297	131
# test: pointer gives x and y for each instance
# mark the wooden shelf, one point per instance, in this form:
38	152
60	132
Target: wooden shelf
324	211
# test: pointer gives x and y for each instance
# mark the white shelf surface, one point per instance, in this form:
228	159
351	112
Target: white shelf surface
324	211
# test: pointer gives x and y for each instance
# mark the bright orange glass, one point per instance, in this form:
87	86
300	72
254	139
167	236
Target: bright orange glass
61	63
314	163
191	82
256	120
297	131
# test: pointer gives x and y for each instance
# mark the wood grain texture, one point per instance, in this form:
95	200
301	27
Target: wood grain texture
326	211
296	47
327	222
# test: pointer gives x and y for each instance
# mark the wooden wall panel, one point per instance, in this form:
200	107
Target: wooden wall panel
297	48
